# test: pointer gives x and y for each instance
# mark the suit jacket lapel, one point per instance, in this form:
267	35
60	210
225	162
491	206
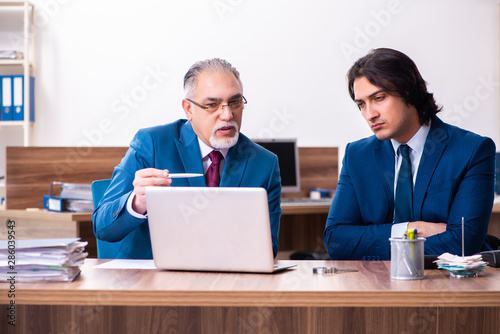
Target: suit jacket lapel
190	154
433	150
384	157
235	165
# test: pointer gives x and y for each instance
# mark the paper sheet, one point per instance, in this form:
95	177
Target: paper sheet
127	264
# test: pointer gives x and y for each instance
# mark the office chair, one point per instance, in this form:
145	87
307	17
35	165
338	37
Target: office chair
494	241
105	249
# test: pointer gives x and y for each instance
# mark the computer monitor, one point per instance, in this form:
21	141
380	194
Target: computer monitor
288	160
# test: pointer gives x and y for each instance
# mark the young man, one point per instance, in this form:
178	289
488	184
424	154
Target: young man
213	106
448	173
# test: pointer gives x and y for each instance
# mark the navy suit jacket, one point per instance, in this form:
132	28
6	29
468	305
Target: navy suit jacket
175	147
455	179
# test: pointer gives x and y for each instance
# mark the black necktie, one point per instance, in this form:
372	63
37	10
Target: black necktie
403	202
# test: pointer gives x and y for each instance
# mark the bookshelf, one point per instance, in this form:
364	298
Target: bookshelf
24	66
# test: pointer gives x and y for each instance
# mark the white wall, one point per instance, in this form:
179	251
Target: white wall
95	60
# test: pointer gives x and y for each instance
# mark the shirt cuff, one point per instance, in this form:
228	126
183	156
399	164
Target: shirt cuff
131	211
398	230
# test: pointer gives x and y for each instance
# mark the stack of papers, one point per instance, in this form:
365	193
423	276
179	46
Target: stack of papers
10	54
71	190
41	260
72	197
461	265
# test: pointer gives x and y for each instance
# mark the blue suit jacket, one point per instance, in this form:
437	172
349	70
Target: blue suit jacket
175	147
455	179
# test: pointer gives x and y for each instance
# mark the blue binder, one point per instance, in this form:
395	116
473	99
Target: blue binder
66	204
18	98
7	98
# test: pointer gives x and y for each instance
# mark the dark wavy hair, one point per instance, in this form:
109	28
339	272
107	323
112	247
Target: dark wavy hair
397	74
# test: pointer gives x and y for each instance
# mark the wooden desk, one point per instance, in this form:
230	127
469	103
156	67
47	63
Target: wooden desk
304	209
496	208
301	227
296	301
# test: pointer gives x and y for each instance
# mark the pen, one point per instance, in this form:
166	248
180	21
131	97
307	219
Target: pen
183	175
409	262
463	249
401	249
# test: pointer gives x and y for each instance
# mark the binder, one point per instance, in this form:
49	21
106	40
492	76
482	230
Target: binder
58	204
52	203
18	98
7	98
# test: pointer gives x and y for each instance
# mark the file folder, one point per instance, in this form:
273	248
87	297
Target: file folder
7	98
53	203
67	205
18	98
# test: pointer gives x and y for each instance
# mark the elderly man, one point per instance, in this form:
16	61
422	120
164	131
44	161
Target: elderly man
208	141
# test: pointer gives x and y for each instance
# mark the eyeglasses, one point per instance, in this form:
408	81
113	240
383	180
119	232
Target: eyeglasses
233	105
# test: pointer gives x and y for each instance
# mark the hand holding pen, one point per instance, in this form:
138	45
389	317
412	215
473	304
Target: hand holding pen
147	177
152	177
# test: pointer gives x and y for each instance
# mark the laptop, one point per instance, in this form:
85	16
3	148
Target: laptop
211	229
